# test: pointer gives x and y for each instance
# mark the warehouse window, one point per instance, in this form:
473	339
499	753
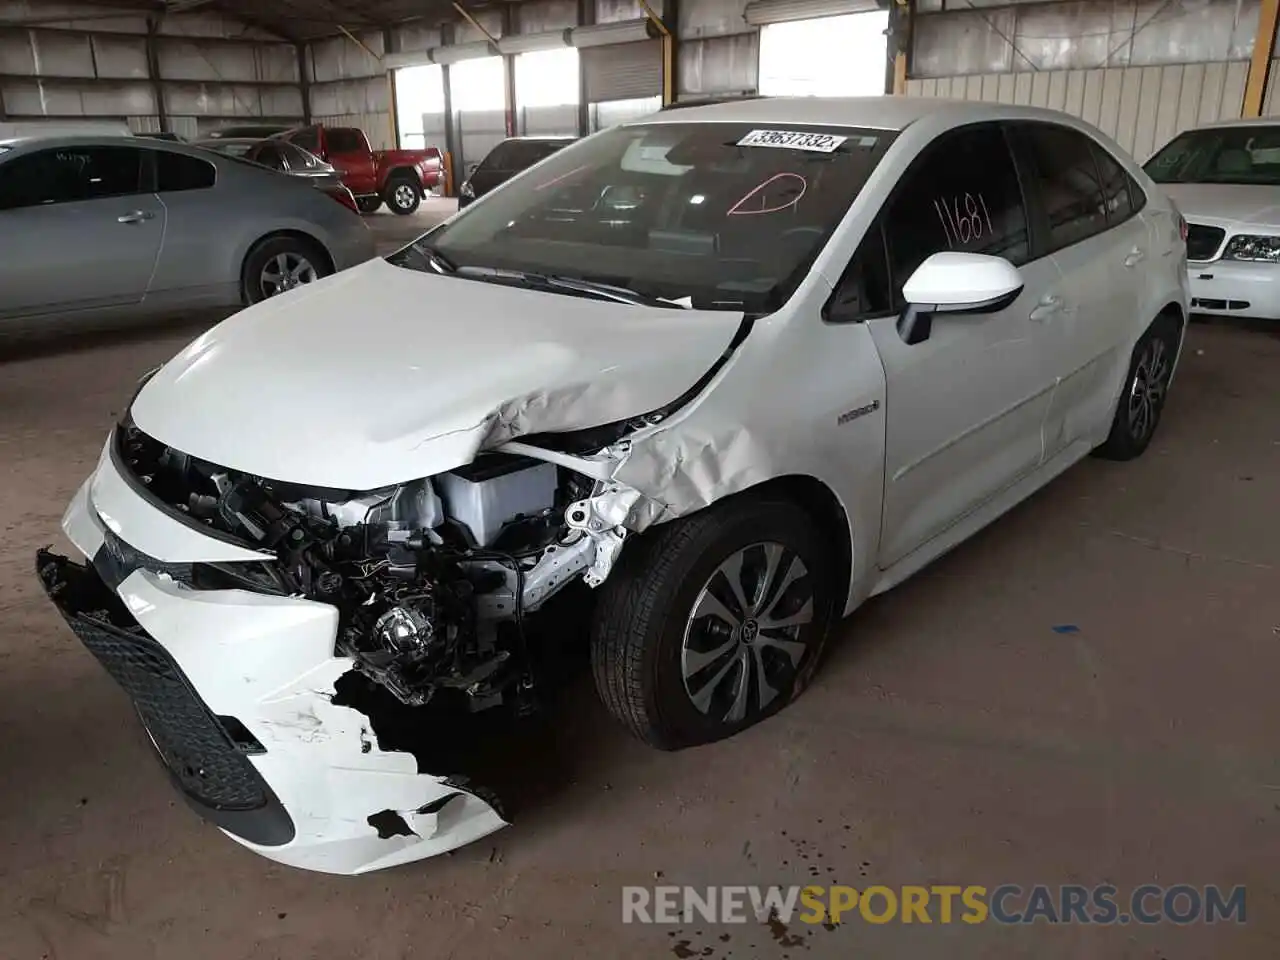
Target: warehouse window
547	78
478	84
829	57
419	105
176	171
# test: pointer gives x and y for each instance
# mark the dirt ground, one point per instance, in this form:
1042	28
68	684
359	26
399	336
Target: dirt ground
954	736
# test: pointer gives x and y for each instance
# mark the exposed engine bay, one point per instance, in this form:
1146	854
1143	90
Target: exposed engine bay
432	579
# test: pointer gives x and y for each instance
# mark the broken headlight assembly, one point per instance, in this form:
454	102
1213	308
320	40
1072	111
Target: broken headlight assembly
431	578
1253	249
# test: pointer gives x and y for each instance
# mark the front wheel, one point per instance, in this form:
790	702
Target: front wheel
1146	388
714	622
281	264
403	195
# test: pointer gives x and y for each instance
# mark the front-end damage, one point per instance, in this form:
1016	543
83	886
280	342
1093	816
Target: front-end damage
352	634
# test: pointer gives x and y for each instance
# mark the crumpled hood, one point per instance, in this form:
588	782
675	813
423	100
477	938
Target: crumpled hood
1227	205
381	374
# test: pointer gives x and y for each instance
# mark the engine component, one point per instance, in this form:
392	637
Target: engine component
496	490
404	630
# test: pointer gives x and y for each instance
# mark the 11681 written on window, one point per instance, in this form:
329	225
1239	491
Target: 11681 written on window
964	218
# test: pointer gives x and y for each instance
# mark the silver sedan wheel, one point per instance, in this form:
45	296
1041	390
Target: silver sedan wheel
285	271
1147	390
742	643
404	196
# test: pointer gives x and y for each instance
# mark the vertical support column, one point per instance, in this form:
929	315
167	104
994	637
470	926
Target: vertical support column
304	82
4	112
451	140
666	31
389	45
509	72
586	18
153	73
900	23
1264	45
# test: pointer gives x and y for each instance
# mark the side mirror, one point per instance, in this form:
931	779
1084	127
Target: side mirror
471	168
953	282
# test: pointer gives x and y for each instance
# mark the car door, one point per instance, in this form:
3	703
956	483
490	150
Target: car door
349	152
194	256
965	407
81	228
1081	203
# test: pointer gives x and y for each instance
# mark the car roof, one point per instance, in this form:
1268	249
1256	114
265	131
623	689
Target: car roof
877	113
100	140
1238	122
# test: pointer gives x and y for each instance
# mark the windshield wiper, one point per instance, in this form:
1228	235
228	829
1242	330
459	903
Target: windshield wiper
438	261
545	281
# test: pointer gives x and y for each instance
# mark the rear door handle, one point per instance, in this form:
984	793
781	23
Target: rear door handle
137	216
1135	257
1047	307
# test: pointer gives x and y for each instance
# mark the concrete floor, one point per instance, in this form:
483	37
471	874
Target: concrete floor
953	736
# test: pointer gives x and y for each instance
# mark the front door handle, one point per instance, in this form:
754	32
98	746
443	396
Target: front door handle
1135	257
1047	307
137	216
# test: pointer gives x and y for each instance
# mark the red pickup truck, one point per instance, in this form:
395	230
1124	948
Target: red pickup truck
398	178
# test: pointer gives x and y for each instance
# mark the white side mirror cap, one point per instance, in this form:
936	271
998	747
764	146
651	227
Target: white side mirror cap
956	282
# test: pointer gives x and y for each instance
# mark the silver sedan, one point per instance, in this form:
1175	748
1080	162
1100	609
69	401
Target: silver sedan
126	225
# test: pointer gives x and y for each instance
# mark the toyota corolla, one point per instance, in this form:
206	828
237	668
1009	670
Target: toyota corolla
736	368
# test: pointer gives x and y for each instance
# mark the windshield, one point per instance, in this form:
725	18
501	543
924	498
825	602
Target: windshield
1249	154
716	215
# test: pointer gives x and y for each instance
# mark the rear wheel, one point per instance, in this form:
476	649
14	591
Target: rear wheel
402	195
1145	391
713	622
368	204
280	264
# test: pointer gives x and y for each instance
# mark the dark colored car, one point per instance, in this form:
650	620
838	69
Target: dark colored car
287	158
511	156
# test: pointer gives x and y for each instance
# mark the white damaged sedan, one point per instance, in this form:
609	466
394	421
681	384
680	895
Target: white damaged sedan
737	367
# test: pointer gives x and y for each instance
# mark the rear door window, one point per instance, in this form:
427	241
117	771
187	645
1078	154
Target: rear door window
70	175
269	154
177	171
1068	182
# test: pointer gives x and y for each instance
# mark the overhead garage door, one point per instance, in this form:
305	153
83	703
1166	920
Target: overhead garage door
623	71
759	13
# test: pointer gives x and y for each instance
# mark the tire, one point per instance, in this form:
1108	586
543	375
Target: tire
1146	388
402	195
645	632
299	260
368	204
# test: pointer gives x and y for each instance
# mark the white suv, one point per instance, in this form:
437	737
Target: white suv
738	367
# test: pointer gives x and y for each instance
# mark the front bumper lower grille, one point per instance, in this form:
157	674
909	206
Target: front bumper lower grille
207	764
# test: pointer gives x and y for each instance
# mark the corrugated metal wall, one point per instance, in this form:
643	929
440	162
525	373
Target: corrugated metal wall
211	68
1141	70
350	88
1141	107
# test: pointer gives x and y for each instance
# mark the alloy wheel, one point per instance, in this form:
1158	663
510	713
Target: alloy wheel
1148	387
744	640
404	196
285	271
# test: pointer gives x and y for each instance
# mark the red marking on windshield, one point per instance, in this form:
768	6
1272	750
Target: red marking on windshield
736	209
563	176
